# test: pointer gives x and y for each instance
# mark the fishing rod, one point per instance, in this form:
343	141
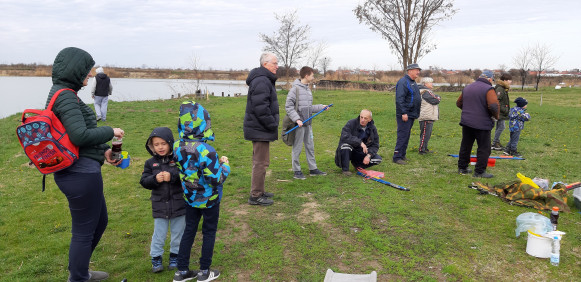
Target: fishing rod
383	181
493	157
297	126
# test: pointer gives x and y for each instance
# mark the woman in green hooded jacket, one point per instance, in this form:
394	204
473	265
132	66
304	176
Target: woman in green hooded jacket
82	182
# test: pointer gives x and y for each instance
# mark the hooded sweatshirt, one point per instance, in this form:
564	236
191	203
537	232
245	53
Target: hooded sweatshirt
167	200
70	68
201	172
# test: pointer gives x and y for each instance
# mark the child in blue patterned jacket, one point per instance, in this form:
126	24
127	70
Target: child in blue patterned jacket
202	174
517	116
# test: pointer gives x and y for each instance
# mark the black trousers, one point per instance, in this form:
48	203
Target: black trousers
209	228
482	138
84	191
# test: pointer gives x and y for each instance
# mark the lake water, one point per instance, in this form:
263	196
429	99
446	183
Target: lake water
19	93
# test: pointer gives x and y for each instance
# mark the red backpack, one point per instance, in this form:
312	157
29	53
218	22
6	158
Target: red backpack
45	141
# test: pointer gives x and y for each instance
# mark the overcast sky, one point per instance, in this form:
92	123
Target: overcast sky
225	34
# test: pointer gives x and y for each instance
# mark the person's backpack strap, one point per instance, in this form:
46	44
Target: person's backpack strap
56	94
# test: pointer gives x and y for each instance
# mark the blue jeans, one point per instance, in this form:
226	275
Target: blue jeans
160	227
84	191
500	126
514	137
209	227
101	107
403	138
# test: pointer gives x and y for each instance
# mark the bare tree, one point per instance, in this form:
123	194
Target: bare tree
325	62
315	53
291	41
522	62
542	61
405	24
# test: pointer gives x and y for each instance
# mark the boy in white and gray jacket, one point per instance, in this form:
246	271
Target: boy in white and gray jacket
429	113
304	134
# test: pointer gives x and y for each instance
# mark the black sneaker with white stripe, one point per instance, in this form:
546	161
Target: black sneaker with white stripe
185	275
208	275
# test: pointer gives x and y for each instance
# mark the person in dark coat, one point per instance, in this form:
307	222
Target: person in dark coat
101	92
261	124
161	176
479	106
82	183
359	144
407	110
502	87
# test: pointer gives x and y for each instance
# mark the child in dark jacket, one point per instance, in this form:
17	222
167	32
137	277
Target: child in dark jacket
161	176
202	173
518	116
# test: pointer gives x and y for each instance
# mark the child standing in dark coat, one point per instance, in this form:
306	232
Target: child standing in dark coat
161	176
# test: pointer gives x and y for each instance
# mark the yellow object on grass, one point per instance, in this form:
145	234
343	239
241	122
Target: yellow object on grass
526	180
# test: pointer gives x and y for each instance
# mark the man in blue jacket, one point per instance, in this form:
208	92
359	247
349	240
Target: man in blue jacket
261	124
407	110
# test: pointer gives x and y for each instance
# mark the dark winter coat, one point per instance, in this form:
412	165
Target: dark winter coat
503	99
479	105
167	198
350	135
70	68
102	85
407	98
261	118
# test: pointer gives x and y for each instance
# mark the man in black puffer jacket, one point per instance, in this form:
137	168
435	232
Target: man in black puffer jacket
261	123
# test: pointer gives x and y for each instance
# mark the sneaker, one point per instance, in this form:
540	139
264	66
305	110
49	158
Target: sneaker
268	194
507	152
400	162
97	275
483	175
156	264
262	201
497	146
516	154
299	175
316	172
98	119
464	171
184	275
347	173
173	261
208	276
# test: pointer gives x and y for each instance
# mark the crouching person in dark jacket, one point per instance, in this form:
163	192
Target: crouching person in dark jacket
161	176
359	144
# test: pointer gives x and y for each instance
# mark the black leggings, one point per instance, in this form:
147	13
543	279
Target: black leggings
84	191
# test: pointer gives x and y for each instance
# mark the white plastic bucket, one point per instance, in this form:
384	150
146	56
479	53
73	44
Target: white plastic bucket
538	246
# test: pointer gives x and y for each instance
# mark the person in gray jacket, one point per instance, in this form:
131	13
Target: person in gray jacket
429	113
304	134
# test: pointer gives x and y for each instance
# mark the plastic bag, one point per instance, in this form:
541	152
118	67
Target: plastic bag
535	222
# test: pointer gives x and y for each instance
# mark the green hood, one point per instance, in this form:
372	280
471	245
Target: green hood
71	66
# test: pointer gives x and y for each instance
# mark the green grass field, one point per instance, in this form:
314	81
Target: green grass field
439	231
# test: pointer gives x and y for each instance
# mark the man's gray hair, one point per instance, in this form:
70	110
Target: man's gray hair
266	57
367	111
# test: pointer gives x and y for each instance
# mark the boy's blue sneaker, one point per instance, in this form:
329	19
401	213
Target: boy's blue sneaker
156	264
173	261
207	275
184	275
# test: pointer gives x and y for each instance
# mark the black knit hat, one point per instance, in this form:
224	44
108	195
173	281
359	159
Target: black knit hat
521	102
